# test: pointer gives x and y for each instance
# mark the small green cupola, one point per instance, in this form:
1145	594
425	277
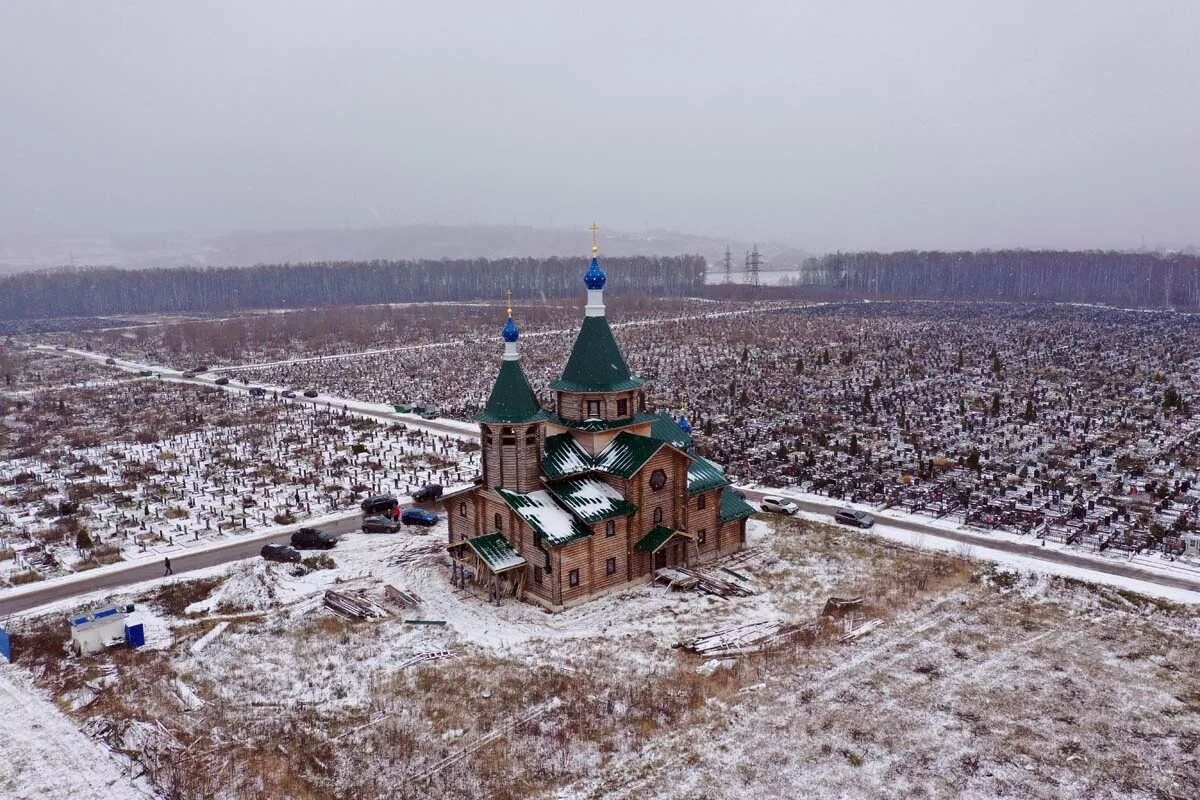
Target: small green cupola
512	400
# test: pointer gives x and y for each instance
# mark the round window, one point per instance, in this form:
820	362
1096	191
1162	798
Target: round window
658	479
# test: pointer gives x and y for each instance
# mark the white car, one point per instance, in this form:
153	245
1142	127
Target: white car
779	505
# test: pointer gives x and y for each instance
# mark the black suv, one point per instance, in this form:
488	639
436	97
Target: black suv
313	539
378	504
428	492
280	552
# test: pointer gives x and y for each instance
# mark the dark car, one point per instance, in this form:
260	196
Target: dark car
848	516
288	393
378	504
280	552
110	361
146	373
419	516
189	374
200	368
313	539
381	525
222	381
311	393
258	391
428	492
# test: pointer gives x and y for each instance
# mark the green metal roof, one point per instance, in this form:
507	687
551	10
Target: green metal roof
494	549
704	475
663	426
564	457
512	399
595	425
591	499
655	539
596	363
733	506
556	525
625	454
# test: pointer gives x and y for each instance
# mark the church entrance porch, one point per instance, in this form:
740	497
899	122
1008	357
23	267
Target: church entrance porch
490	562
664	547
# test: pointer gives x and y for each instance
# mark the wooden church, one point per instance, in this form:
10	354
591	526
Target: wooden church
594	496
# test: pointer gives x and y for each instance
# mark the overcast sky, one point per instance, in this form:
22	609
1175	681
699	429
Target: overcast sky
828	125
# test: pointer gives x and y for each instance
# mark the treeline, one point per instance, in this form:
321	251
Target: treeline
105	291
1133	280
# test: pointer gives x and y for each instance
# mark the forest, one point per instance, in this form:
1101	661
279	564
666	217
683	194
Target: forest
105	291
1130	280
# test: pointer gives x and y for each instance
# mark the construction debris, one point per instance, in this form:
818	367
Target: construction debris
854	632
711	584
674	579
404	599
353	606
432	655
753	637
840	606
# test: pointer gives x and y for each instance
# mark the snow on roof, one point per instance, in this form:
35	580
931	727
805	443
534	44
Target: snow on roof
496	551
564	457
545	516
591	499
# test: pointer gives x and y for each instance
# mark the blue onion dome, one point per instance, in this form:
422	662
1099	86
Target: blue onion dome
595	277
684	424
511	332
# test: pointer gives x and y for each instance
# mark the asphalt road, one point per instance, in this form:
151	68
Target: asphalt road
181	563
1106	566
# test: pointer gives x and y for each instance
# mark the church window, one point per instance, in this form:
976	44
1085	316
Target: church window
573	577
507	437
658	479
610	528
499	522
622	408
537	575
610	567
701	502
700	536
593	409
462	509
658	516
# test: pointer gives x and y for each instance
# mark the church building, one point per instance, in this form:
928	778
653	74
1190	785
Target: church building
594	496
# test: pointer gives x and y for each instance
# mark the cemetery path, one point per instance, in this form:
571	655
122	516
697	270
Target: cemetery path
149	569
984	543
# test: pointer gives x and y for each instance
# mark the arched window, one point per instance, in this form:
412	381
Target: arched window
499	522
610	528
507	437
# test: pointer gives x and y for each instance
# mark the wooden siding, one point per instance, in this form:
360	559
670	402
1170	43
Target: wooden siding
573	405
517	466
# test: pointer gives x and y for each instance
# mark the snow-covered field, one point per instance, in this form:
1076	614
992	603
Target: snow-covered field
980	682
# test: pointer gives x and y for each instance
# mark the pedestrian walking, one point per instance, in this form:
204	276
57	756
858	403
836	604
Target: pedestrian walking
167	564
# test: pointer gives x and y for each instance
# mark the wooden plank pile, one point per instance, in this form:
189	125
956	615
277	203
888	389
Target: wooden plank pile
753	637
353	606
402	598
432	655
711	584
674	578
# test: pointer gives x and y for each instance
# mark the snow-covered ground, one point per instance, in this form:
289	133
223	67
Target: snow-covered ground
44	755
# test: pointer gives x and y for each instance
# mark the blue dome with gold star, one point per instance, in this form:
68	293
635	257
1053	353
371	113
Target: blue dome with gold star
595	278
511	333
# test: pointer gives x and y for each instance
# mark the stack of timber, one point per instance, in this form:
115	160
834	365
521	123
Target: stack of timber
675	578
711	584
352	606
402	598
432	655
753	637
839	606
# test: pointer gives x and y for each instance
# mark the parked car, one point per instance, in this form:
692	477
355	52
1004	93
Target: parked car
189	374
313	539
146	373
311	393
288	393
280	552
779	505
402	407
378	504
258	391
200	368
110	361
428	492
849	516
419	516
222	381
381	525
60	347
430	412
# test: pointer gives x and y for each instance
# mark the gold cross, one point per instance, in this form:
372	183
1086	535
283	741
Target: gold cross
595	238
508	297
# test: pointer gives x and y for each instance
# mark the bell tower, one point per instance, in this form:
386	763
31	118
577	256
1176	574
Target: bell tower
512	424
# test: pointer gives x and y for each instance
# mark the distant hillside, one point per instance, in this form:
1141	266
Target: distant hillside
1133	280
398	243
107	291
